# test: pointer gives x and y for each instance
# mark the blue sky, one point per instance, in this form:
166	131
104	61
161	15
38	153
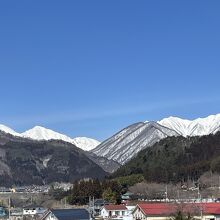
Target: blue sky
90	68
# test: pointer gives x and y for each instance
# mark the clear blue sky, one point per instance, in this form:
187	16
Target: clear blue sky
90	68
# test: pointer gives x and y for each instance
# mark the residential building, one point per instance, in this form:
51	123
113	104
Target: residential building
164	211
116	212
33	210
66	214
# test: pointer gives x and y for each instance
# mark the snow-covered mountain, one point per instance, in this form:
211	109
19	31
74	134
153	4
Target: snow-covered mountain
197	127
8	130
125	144
122	146
41	133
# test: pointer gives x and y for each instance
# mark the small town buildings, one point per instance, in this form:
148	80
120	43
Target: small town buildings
164	211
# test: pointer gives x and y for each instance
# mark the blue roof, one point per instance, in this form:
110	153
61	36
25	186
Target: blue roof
71	214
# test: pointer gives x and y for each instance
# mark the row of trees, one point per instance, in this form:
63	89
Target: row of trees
83	189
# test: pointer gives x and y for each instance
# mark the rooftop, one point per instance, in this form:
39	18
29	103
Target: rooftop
115	207
170	208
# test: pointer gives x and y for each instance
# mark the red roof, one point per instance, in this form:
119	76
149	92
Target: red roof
170	208
115	207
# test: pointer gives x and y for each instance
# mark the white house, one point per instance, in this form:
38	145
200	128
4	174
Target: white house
114	211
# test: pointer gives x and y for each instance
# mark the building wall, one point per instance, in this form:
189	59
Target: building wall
106	213
50	216
137	214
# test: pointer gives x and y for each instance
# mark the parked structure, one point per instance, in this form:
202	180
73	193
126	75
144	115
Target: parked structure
164	211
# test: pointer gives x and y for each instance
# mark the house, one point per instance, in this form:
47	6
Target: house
16	214
114	211
164	211
33	210
98	205
130	210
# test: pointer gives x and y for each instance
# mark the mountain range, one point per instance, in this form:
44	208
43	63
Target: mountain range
197	127
41	133
125	144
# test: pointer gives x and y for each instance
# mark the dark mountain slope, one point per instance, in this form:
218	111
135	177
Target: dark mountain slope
176	159
24	162
125	144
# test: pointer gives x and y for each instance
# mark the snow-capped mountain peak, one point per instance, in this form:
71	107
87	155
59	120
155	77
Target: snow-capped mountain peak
41	133
122	146
197	127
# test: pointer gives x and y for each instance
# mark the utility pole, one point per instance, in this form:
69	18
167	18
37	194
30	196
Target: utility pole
166	194
219	182
178	195
90	216
199	195
201	213
93	206
9	208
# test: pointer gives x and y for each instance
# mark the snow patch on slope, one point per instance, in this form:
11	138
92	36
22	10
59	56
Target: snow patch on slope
85	143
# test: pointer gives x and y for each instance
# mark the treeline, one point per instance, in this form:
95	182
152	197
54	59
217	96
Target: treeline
108	190
176	159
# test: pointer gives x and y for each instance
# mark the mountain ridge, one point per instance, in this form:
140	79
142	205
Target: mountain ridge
42	133
121	148
196	127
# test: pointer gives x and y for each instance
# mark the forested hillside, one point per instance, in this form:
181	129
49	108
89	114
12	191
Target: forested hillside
176	159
